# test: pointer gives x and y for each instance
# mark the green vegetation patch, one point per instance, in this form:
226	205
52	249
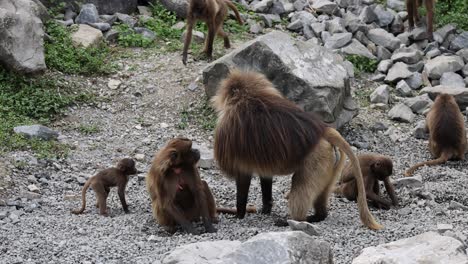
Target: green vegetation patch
453	12
26	101
61	55
362	64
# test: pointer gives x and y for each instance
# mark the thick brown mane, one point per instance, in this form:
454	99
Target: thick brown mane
292	131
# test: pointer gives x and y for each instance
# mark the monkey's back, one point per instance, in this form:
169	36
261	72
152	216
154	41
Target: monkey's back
261	131
445	123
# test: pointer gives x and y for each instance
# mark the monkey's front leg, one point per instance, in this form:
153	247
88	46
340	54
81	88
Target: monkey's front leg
121	192
266	183
242	185
391	191
203	205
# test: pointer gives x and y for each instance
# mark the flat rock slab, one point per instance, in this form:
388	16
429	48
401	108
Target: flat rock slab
426	248
266	248
36	131
439	65
460	94
308	74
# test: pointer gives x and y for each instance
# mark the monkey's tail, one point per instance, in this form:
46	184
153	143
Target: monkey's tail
83	198
332	136
441	160
234	8
223	210
337	171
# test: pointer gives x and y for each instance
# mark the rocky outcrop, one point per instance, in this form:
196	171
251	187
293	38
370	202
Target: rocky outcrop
429	247
21	35
273	247
306	73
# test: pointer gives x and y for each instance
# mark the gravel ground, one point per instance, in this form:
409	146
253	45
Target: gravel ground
139	117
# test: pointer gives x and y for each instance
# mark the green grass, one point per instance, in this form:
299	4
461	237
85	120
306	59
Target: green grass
61	55
129	38
88	129
26	101
202	116
362	64
452	12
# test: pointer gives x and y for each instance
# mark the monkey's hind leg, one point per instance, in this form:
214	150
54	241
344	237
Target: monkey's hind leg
224	35
266	183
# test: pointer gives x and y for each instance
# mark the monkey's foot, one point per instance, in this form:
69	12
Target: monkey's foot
316	218
266	209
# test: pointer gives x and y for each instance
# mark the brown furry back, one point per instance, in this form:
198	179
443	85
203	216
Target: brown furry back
445	128
258	126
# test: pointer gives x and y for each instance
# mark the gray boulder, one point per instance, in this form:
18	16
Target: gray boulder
407	55
420	132
303	226
367	15
403	89
146	33
397	5
401	112
21	36
429	247
380	95
408	182
36	131
383	53
384	17
398	72
307	74
356	48
273	247
324	6
336	25
460	94
464	54
384	66
383	38
452	79
460	42
438	65
419	104
442	33
415	81
88	15
197	36
338	40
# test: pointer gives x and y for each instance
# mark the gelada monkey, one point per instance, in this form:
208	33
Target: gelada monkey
413	16
259	131
178	195
374	168
447	135
213	13
105	179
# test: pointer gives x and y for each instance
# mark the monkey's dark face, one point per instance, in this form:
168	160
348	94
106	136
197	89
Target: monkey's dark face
181	152
127	166
383	168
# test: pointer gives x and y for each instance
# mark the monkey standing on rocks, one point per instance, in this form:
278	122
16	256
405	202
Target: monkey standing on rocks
105	179
213	13
259	131
447	135
413	16
374	168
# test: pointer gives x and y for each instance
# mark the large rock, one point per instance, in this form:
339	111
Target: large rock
380	95
88	14
401	112
356	48
407	55
429	247
36	131
460	94
383	38
397	5
86	36
419	104
338	40
21	36
452	79
438	65
306	73
384	17
274	247
460	42
398	72
324	6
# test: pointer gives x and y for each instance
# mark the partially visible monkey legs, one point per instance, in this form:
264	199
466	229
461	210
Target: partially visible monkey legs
307	190
243	185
